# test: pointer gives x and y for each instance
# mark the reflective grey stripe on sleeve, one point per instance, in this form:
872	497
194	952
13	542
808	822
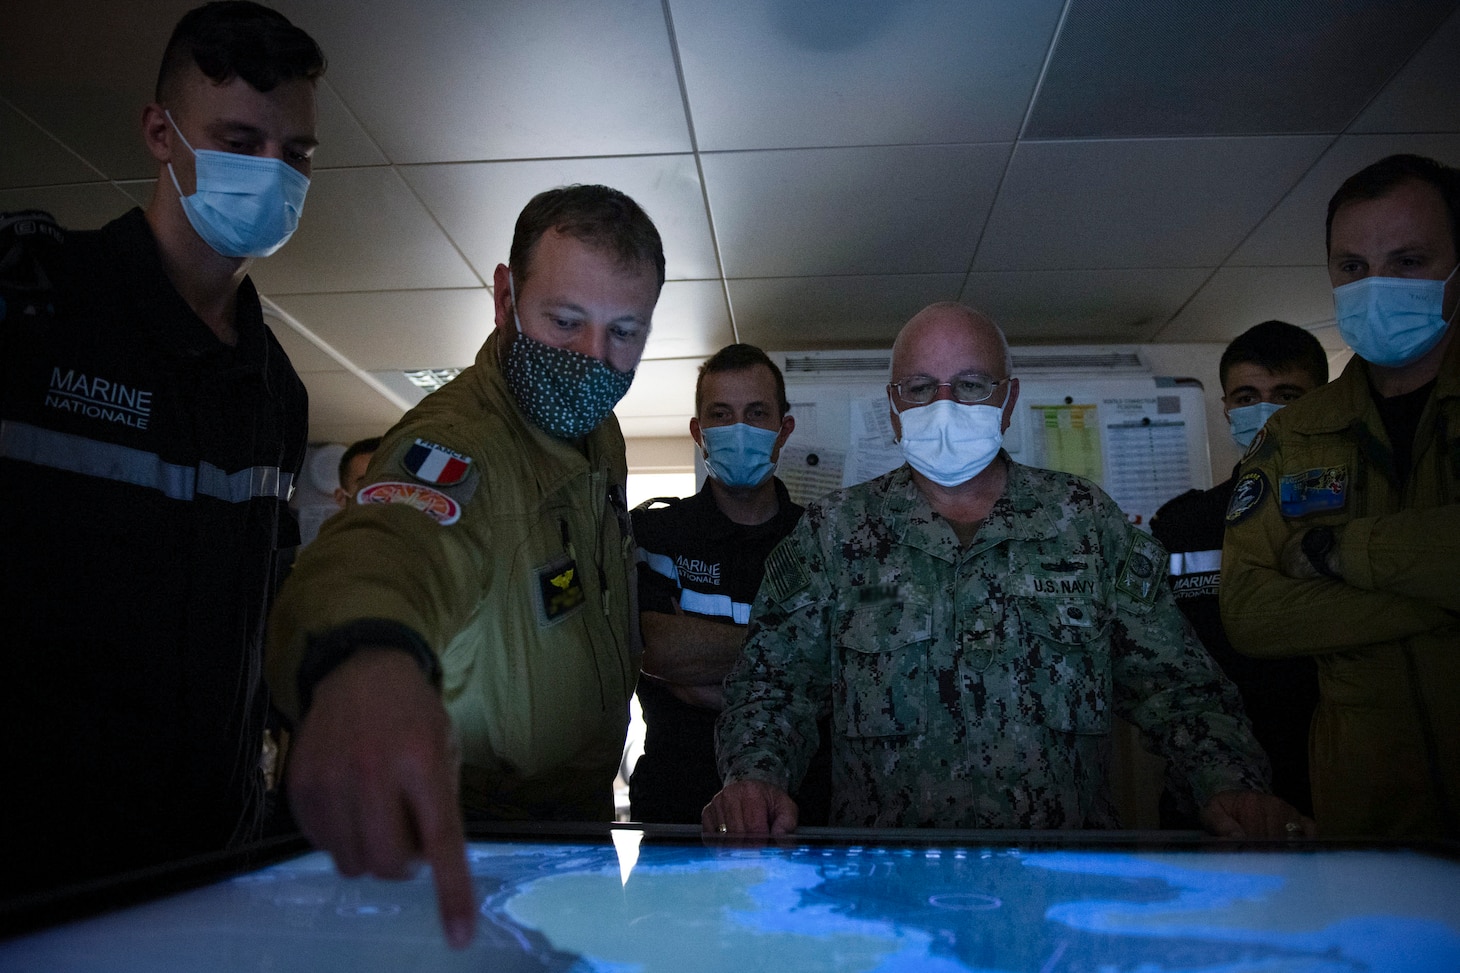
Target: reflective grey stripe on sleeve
1196	562
123	464
660	564
718	606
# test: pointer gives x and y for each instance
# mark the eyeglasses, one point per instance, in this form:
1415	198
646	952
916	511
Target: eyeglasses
968	388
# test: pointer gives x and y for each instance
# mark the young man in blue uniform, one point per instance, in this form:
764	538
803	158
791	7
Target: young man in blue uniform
1262	370
702	561
150	433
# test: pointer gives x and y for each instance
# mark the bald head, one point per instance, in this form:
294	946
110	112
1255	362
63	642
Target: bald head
945	339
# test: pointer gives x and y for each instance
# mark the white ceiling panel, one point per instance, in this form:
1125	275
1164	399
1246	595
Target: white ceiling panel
1137	203
1082	305
34	158
771	74
1293	232
83	69
1236	298
339	401
398	329
1136	69
478	203
363	230
443	80
691	320
781	313
83	207
1424	96
1088	171
871	210
661	400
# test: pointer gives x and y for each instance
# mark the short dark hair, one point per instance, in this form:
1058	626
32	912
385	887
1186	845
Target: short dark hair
1278	347
1379	179
733	358
231	39
364	447
601	217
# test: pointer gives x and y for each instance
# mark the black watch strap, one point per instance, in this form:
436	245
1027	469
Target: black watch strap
1317	543
326	652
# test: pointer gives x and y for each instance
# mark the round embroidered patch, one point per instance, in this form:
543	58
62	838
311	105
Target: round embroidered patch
1246	496
433	503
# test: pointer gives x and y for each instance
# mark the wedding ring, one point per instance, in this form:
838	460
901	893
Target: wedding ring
723	829
1292	827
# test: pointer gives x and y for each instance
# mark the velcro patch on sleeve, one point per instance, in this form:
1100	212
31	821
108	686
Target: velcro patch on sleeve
433	503
785	571
1142	568
1247	496
1317	491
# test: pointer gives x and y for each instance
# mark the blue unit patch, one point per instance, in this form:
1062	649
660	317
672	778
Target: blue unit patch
1246	496
1314	491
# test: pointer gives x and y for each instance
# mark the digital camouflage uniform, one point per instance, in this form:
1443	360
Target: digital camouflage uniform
975	687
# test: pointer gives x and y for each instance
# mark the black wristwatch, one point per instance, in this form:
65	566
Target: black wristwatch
1316	544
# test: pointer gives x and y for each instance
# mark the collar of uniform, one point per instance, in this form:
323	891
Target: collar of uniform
161	309
1347	399
556	460
712	522
1018	513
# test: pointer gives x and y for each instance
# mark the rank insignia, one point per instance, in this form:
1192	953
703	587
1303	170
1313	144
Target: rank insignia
1247	495
559	590
435	464
1314	491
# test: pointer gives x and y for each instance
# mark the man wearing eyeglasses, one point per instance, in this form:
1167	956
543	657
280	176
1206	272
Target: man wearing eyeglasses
972	625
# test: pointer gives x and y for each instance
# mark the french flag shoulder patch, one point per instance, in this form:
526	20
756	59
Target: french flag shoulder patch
433	463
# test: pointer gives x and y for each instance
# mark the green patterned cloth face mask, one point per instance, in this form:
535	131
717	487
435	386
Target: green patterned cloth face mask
564	393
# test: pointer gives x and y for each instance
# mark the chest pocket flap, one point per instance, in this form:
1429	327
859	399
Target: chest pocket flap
1062	675
881	683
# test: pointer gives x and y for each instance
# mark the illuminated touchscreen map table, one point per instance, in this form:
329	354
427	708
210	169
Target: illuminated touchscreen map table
877	905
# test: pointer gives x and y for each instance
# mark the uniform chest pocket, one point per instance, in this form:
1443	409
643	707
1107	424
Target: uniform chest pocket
881	685
1062	678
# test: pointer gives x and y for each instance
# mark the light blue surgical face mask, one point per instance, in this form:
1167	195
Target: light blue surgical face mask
1245	420
739	455
242	205
1391	321
949	442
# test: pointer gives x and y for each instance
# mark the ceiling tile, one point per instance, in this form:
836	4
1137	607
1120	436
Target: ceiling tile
661	400
1134	69
398	329
1425	96
33	158
804	313
482	83
1293	232
83	70
873	210
1158	203
304	355
1236	298
478	203
339	401
771	74
363	229
690	321
83	207
1082	305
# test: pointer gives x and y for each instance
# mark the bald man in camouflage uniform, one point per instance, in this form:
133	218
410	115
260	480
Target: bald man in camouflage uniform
973	628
